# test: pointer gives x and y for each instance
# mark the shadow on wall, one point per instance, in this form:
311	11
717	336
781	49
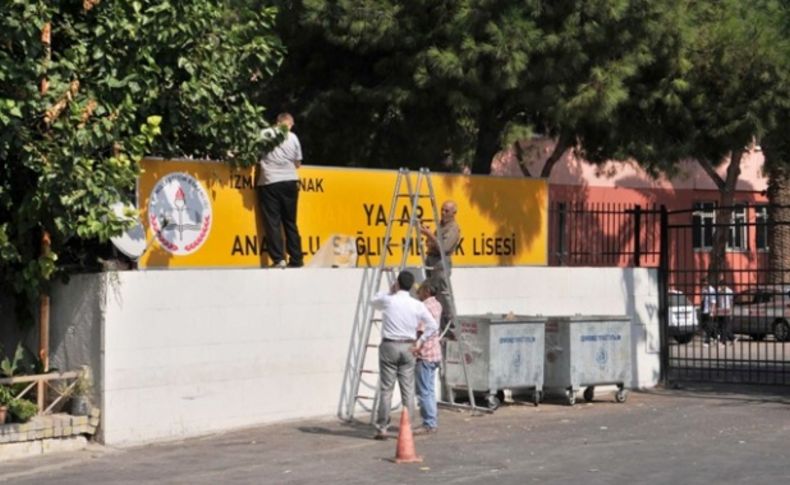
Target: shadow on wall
75	329
10	333
524	219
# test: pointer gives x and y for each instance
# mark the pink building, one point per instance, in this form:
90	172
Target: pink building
593	212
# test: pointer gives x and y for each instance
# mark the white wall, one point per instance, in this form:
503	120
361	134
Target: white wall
189	352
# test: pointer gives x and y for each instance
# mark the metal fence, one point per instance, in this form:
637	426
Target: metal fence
726	313
603	234
741	334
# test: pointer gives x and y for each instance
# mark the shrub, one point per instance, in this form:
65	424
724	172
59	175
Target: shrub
22	409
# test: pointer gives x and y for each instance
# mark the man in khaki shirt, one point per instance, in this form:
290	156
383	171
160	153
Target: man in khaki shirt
444	240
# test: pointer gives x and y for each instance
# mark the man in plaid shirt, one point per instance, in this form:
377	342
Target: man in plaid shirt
428	358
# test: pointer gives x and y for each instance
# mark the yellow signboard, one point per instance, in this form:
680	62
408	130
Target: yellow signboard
205	214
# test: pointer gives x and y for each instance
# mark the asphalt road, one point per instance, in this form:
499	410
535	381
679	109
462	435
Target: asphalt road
681	436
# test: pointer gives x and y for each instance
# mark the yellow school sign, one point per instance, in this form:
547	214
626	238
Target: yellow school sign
202	214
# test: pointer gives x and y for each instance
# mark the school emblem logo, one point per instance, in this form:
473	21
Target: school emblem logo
179	213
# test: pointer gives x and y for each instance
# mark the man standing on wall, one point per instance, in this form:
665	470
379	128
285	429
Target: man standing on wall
278	195
444	240
400	316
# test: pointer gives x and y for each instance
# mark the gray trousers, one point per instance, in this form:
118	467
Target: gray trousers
437	279
395	362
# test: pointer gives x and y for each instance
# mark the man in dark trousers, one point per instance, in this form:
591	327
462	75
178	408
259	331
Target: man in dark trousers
278	195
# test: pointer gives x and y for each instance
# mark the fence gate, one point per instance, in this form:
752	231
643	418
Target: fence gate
725	296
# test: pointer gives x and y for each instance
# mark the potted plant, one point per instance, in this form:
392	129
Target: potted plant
22	410
82	392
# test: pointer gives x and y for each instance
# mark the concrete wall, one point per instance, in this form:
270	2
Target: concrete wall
189	352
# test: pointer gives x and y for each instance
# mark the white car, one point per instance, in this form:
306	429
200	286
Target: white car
762	311
683	320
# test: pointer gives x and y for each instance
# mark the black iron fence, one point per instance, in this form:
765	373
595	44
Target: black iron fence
724	291
603	234
726	303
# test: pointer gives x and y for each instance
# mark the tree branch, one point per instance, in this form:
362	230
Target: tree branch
711	171
563	142
519	151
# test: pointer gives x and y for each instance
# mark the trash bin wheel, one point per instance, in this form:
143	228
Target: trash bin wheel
570	395
589	393
621	395
492	401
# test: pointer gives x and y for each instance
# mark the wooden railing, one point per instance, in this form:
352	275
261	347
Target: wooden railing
43	382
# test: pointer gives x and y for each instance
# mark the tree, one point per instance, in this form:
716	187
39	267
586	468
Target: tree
719	99
775	143
424	81
89	87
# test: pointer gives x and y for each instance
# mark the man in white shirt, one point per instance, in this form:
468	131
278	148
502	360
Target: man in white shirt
401	314
708	310
724	312
278	195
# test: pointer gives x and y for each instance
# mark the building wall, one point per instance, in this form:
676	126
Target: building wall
183	353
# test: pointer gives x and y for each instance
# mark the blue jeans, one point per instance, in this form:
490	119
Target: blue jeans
426	394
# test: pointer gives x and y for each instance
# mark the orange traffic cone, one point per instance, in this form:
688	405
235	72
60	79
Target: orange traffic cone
405	452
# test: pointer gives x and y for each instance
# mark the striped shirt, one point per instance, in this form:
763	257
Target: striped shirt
431	351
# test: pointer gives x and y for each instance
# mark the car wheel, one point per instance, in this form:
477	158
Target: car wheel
782	330
683	339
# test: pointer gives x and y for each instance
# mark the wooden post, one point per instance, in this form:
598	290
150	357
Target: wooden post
43	304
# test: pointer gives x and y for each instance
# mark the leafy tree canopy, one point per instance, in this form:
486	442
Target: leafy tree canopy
88	87
418	81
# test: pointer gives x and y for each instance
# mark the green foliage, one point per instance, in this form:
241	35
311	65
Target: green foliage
125	79
6	397
22	410
417	81
9	365
721	89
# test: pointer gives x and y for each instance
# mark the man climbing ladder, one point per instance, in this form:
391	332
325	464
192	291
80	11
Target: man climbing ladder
444	240
363	339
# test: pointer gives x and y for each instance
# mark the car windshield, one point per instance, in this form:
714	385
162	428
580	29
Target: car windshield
678	299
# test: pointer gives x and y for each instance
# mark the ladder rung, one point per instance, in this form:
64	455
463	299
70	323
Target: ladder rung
452	361
365	397
375	319
365	371
372	346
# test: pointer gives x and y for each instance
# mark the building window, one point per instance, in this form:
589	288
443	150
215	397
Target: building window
738	239
703	219
761	226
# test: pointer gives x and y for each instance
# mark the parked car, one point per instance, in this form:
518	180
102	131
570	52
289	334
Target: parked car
762	311
683	321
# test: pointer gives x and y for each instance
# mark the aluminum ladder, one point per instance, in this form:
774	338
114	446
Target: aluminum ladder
361	378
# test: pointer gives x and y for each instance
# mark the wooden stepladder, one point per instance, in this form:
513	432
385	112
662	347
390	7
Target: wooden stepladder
361	378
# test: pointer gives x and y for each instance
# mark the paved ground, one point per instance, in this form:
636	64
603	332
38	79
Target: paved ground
682	436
